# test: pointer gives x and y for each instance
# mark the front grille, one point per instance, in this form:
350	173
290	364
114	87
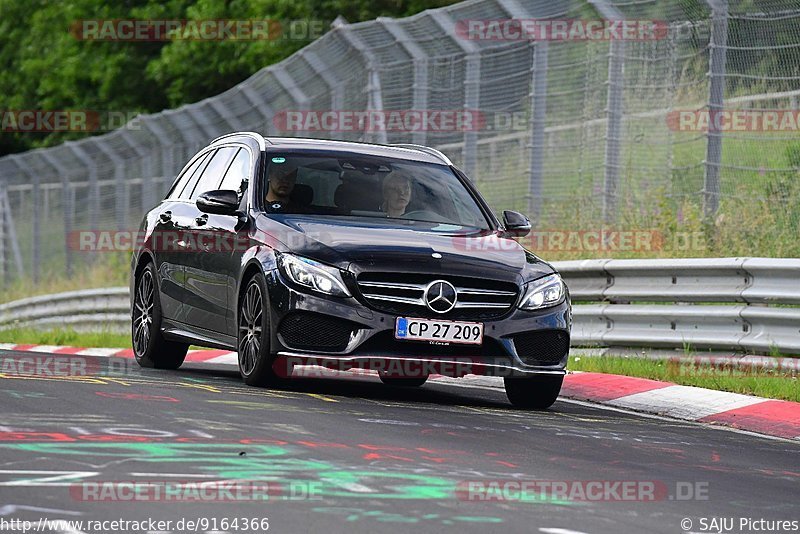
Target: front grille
542	346
403	294
312	331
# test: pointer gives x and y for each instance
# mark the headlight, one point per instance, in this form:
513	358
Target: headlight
543	293
313	275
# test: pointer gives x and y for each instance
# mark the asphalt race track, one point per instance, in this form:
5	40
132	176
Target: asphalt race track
353	455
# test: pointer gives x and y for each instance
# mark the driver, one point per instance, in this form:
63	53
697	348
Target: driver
396	195
279	189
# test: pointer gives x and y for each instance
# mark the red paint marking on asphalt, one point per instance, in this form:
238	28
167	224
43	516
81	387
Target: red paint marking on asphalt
603	387
775	417
24	347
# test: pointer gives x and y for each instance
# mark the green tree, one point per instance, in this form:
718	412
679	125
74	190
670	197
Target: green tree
45	67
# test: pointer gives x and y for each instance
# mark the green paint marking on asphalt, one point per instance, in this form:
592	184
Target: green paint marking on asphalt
356	514
271	462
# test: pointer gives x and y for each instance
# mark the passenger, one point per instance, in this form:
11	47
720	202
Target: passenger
396	195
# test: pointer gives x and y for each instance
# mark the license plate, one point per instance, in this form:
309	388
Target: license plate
433	330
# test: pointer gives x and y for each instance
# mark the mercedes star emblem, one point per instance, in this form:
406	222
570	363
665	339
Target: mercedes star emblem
440	296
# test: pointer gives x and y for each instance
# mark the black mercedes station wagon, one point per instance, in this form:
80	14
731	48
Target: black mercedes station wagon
305	252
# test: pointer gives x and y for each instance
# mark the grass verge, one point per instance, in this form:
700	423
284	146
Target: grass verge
71	338
762	382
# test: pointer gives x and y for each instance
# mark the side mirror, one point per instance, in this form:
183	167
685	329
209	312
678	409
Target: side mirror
516	224
219	202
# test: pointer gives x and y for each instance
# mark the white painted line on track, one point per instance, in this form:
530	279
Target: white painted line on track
685	402
98	352
226	359
45	348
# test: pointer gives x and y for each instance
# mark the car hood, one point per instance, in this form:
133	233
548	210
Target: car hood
359	244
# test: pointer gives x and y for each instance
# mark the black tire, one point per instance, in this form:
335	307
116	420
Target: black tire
149	346
255	359
409	382
533	392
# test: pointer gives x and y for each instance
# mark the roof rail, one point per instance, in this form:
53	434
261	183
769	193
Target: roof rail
262	142
425	149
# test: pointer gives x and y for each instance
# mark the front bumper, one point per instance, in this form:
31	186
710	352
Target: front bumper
370	341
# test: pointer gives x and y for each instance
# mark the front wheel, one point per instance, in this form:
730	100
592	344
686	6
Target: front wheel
533	392
255	360
149	346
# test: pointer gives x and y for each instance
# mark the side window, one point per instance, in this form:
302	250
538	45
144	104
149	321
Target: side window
237	172
212	175
186	176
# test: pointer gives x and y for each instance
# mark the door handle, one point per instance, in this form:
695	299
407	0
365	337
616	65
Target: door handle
202	219
165	217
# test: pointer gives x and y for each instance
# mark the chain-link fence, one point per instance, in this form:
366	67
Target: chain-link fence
578	131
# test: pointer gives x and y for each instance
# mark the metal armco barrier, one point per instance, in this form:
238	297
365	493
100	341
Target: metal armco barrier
85	310
739	304
731	304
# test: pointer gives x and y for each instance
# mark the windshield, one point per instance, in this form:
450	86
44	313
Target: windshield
368	186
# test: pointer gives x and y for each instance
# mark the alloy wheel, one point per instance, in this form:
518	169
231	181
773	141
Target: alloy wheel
143	312
250	316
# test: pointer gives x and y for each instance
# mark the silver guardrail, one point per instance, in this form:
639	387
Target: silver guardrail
87	310
731	304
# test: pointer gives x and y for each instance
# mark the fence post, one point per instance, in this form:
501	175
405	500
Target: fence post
616	61
259	103
36	222
716	102
164	142
420	59
374	93
614	112
67	204
472	86
10	233
120	189
538	122
4	270
292	89
146	165
328	75
94	190
290	86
